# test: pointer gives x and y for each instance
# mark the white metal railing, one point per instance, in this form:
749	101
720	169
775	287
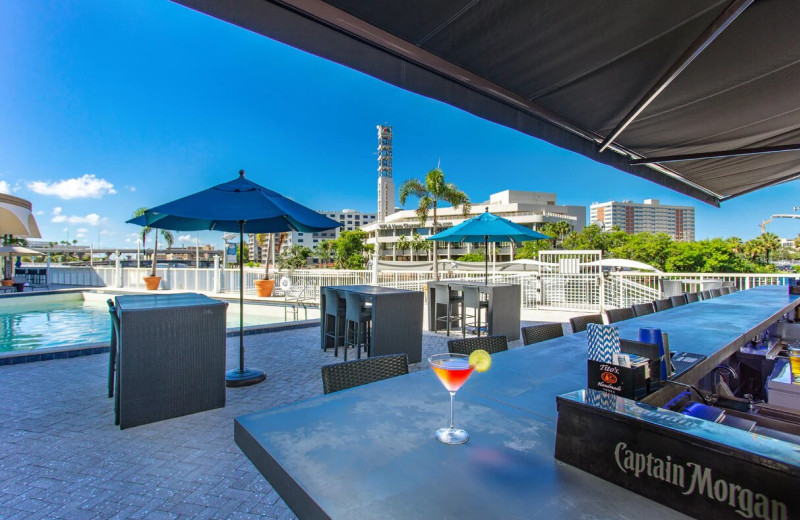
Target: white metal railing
565	291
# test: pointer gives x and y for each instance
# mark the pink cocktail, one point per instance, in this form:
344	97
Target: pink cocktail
453	371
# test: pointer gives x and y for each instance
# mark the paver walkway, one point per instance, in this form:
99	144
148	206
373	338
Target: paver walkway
62	457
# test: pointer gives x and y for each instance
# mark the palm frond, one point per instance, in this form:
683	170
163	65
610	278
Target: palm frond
457	198
434	182
413	188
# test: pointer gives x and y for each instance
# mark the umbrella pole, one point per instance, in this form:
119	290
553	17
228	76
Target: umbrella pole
485	259
242	376
241	296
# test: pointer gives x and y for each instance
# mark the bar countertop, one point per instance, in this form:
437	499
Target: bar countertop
369	452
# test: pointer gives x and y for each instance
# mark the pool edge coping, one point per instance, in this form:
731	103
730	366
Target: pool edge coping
87	349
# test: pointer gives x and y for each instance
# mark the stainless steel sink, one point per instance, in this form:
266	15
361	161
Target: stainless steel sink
742	414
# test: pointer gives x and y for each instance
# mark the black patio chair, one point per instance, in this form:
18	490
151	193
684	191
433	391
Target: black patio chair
663	304
642	309
679	300
538	333
491	344
341	376
715	293
692	297
725	290
615	315
705	295
579	323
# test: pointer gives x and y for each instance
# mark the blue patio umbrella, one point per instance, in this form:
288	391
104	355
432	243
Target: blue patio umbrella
239	205
486	228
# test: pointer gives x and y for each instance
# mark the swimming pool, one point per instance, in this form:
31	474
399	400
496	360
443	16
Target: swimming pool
80	318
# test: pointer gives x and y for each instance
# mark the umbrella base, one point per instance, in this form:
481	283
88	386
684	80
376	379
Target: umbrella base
246	377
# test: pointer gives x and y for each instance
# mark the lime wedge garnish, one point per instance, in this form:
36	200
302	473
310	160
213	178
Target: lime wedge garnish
480	360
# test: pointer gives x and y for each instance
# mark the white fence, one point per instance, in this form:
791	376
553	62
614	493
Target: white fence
564	291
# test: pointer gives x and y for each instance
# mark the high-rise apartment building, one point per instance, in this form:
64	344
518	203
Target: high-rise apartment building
633	217
385	182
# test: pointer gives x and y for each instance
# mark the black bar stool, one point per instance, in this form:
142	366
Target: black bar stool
334	310
447	297
356	313
472	300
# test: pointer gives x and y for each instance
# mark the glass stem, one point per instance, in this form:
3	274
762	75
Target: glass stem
452	398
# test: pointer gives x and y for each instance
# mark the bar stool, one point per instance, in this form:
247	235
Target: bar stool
356	313
472	300
448	297
334	310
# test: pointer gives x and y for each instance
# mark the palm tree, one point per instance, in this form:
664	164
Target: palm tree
770	242
169	238
417	244
402	244
430	193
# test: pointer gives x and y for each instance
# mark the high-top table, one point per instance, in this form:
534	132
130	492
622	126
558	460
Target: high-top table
171	356
369	452
505	303
396	319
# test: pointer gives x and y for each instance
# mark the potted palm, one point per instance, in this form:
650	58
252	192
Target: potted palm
265	286
152	282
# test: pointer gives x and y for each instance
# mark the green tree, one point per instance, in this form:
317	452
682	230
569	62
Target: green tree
351	248
430	193
530	250
649	248
295	257
479	255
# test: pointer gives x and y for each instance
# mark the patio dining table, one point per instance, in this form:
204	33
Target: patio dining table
370	452
505	302
396	319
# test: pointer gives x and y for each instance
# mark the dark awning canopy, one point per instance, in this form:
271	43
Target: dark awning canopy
708	91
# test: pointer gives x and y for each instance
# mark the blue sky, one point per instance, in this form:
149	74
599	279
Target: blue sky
123	104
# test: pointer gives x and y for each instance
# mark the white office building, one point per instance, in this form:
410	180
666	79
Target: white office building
530	209
650	216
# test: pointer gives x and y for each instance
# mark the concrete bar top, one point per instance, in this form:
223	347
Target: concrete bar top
369	452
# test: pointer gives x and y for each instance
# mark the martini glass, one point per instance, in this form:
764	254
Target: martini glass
453	370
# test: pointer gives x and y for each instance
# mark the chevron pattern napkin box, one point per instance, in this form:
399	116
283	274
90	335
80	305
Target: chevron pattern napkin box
603	342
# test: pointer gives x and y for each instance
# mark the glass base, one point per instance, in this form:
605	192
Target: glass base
452	435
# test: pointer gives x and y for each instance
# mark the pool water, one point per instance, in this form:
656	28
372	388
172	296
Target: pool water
44	324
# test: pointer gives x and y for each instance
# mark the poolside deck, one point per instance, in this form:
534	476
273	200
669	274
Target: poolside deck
62	456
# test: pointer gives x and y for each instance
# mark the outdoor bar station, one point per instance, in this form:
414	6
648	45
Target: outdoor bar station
541	442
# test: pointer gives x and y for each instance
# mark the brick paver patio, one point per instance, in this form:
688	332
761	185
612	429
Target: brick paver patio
62	456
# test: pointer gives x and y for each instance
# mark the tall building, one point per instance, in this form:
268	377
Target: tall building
350	220
528	208
633	217
385	181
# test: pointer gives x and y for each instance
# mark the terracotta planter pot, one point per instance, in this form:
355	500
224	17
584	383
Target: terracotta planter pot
264	287
7	283
152	282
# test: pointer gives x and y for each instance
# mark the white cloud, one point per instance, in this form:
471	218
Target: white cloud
185	238
93	219
80	235
88	186
130	188
107	232
40	212
65	229
5	187
83	230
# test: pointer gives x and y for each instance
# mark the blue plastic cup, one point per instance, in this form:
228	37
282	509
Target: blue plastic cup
651	335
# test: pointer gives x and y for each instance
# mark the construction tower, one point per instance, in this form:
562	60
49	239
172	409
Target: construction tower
385	182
